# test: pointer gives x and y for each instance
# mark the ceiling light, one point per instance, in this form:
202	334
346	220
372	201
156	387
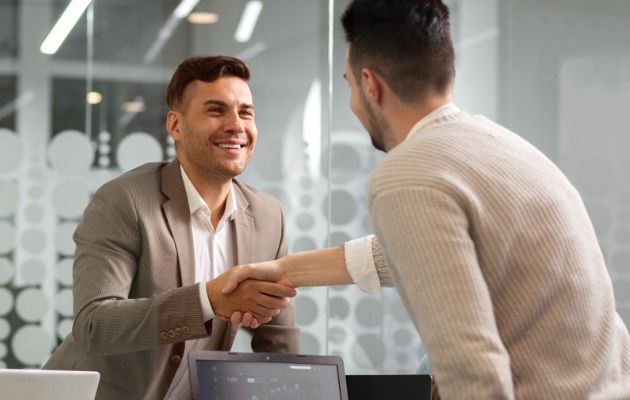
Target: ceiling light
133	106
94	97
184	8
64	25
248	21
203	18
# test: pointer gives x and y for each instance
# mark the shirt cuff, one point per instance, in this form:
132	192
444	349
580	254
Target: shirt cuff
206	309
360	264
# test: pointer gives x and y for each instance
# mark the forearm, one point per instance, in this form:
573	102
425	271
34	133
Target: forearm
316	268
115	326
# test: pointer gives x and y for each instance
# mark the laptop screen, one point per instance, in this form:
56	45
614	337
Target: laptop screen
266	376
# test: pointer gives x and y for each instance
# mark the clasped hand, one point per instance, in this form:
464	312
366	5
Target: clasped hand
250	294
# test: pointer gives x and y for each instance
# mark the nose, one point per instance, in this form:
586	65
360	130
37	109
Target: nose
234	123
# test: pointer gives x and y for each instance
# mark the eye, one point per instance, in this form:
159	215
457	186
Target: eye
247	113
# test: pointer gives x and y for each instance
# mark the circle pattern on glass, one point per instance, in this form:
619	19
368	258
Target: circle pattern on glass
337	335
308	343
339	308
305	310
369	312
368	351
304	221
9	198
399	312
6	270
31	305
337	238
136	149
64	271
31	345
402	337
63	302
6	301
7	237
303	243
5	328
35	192
345	162
64	328
344	207
281	196
10	151
70	198
33	271
34	241
34	213
63	238
71	152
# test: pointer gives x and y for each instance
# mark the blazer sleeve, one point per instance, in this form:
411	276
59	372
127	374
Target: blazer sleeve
107	321
280	335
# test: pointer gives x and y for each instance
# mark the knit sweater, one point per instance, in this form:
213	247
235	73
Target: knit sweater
497	262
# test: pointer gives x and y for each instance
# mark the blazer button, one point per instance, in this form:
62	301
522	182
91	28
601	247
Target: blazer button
164	335
175	360
185	330
178	331
171	333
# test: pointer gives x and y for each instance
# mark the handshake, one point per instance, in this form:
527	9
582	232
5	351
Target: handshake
251	294
254	293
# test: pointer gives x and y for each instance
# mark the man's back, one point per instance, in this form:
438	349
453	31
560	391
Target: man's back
498	263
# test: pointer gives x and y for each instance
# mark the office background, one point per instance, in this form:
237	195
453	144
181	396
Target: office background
555	71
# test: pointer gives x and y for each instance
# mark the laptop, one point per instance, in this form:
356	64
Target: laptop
399	387
216	375
48	384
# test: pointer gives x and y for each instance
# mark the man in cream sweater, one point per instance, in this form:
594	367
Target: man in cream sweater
488	243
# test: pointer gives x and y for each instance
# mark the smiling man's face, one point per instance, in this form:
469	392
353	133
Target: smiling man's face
214	127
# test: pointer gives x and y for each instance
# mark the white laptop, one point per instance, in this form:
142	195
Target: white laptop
38	384
219	375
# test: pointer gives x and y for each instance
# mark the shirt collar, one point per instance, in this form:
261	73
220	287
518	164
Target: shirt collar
442	111
195	201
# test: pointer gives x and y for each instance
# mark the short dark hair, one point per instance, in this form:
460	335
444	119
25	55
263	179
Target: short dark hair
408	42
203	68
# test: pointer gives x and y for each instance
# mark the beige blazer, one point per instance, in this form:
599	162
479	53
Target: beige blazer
135	299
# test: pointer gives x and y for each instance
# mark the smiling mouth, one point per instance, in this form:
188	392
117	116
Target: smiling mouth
231	146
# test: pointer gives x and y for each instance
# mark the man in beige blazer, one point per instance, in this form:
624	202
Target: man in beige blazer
155	245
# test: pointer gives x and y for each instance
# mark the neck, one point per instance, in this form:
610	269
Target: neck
403	116
212	189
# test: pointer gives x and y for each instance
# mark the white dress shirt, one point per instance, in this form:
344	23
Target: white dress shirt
215	252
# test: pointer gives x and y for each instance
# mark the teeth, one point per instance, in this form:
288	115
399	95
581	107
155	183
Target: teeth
230	146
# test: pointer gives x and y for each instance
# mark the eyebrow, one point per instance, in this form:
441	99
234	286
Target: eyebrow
224	104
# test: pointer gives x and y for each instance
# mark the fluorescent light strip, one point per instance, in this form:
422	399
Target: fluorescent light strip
165	33
64	25
184	8
248	21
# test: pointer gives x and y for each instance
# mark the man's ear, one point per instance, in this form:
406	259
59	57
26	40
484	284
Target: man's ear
172	125
372	84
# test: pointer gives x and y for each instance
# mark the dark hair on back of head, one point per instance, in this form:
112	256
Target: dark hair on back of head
203	68
408	42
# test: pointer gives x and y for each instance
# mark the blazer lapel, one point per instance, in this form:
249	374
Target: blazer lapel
177	214
244	228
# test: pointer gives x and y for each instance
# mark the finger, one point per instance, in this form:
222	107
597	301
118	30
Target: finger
247	319
236	318
254	324
271	302
263	313
238	275
276	289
